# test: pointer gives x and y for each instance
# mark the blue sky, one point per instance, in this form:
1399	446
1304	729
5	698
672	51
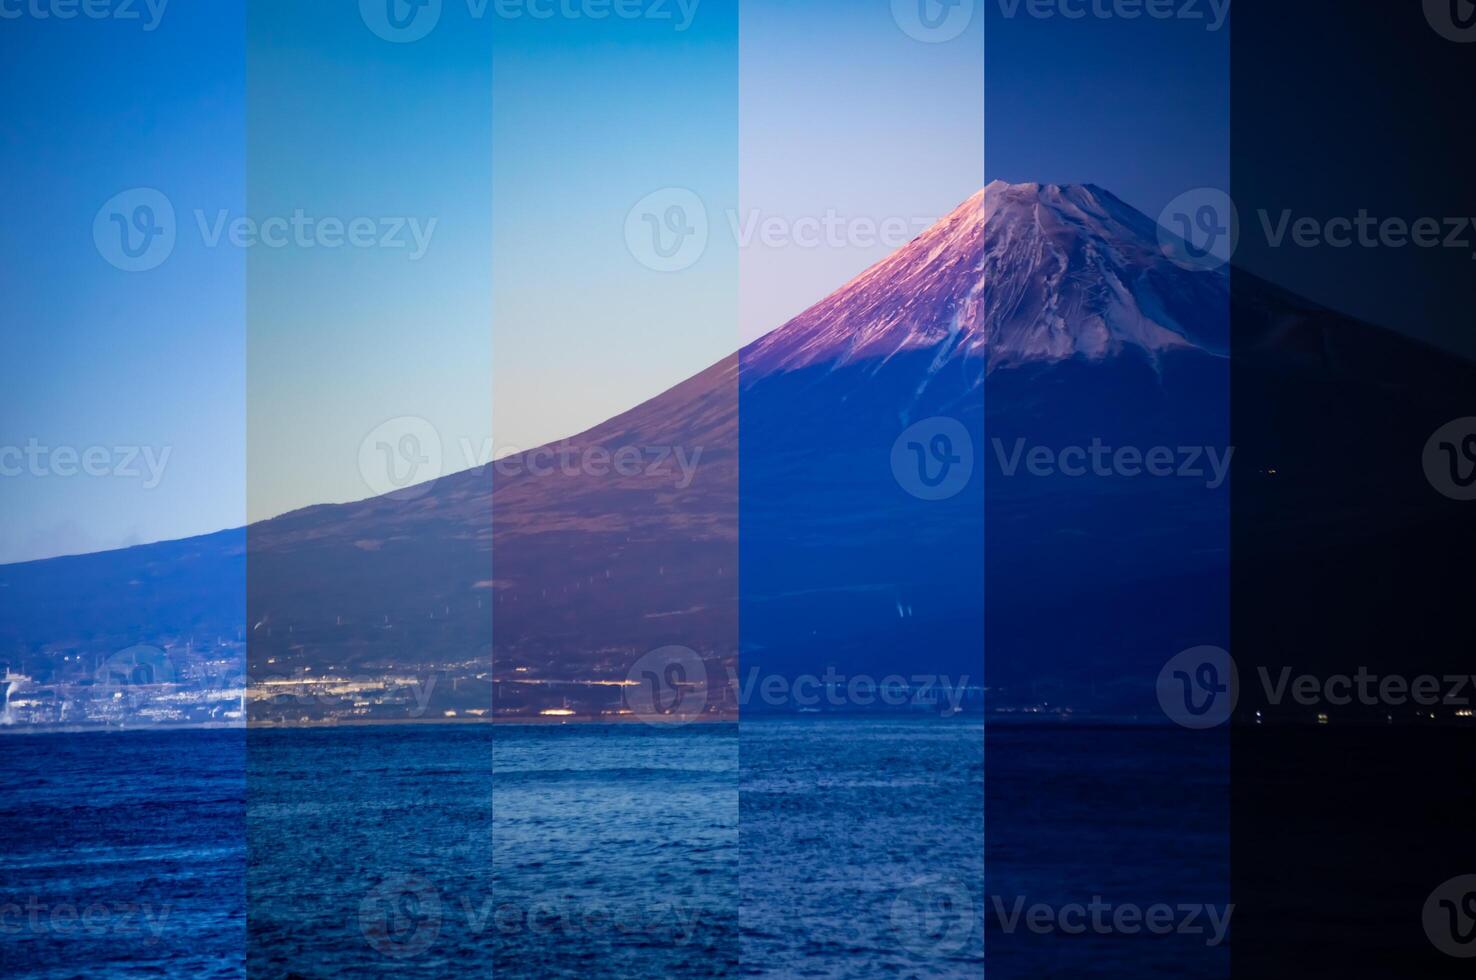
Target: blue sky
1140	107
527	142
341	123
588	117
98	358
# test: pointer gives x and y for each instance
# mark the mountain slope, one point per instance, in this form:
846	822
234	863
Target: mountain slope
1051	307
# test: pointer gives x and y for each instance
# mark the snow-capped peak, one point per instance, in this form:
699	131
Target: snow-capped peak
1017	273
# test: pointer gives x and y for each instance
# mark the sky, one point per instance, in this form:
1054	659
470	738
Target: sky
1140	107
96	358
351	347
279	367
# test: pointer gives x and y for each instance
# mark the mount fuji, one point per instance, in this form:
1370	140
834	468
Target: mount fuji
1032	315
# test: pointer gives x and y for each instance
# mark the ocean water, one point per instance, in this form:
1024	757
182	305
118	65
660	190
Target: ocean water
837	847
1133	819
862	847
616	851
123	855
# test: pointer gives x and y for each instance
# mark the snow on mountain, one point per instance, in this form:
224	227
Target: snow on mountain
1017	273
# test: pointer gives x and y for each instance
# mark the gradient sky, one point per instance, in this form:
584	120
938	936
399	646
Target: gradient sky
588	118
342	123
528	142
94	356
1140	107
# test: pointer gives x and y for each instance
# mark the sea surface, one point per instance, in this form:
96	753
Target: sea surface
800	847
123	854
